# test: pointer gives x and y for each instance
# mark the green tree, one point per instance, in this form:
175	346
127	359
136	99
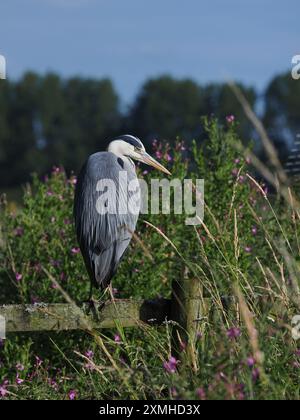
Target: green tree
282	111
167	108
221	102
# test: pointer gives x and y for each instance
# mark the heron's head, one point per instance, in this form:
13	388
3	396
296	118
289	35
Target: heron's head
132	147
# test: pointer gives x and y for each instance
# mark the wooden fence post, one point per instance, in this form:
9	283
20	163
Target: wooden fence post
188	309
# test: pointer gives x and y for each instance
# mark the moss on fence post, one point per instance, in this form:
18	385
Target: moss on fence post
188	310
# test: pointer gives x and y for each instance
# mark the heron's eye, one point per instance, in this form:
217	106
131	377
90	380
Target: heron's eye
137	149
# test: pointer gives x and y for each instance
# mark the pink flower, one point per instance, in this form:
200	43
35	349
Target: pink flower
200	393
3	391
20	367
171	365
89	354
38	361
241	179
254	230
19	231
34	299
174	392
53	384
18	276
255	375
182	345
117	339
49	193
72	394
250	362
75	250
73	180
230	119
19	381
158	154
168	157
233	332
248	249
62	276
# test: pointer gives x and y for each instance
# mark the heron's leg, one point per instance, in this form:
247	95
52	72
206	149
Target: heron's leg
92	302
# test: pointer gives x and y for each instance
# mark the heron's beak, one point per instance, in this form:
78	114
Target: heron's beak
145	158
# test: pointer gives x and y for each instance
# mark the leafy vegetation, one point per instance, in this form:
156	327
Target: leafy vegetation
247	248
47	120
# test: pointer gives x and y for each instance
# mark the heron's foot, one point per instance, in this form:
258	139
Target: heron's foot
95	306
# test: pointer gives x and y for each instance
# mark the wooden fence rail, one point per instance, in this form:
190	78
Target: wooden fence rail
66	316
185	310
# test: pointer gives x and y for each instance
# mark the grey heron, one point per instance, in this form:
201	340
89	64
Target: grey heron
103	236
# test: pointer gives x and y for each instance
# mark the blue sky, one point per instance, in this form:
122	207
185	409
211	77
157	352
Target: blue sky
131	40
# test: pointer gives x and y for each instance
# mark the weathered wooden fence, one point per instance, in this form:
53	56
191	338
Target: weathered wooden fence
186	309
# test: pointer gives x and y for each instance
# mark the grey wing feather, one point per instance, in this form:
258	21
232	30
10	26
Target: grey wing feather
103	238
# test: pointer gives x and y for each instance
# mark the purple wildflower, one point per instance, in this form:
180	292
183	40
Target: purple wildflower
199	335
53	384
38	361
171	365
20	367
296	364
174	391
34	299
19	276
3	390
72	394
255	375
200	393
250	362
89	354
182	345
19	231
75	250
168	157
230	119
117	339
19	381
254	230
248	249
73	180
233	333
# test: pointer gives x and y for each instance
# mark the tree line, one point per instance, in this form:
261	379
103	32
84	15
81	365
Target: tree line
47	120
